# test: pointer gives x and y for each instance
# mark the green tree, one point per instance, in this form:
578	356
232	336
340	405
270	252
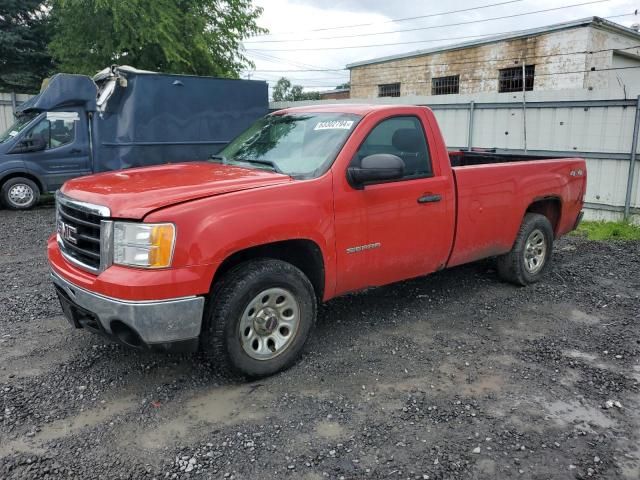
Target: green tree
343	86
24	35
199	37
282	90
296	93
313	95
285	91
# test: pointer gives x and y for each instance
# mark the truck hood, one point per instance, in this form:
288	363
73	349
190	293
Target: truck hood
135	192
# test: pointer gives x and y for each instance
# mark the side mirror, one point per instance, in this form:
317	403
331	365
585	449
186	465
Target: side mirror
380	167
30	145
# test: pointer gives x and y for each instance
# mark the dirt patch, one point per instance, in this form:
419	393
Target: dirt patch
330	430
215	409
574	413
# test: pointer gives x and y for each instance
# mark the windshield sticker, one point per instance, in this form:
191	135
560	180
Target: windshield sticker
13	133
335	125
69	116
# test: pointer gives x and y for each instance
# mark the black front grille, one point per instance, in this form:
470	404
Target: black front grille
79	232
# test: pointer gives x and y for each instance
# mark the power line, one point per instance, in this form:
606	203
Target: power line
472	61
433	26
377	45
274	59
275	77
482	79
401	43
309	83
405	19
317	82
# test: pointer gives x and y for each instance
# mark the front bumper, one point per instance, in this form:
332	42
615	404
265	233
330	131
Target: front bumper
137	324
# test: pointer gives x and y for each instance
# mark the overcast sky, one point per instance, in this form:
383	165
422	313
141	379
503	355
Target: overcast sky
311	24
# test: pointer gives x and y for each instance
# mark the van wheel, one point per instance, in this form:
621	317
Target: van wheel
259	317
530	256
19	193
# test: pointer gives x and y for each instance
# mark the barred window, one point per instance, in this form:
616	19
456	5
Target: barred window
389	90
445	85
510	79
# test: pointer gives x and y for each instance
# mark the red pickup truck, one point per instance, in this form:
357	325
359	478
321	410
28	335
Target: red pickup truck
233	255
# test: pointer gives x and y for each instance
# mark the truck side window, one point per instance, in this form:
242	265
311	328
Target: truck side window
401	136
54	132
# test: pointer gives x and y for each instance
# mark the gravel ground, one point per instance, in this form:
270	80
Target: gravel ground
456	375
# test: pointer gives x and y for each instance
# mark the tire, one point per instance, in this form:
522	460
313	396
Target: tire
530	256
258	318
19	193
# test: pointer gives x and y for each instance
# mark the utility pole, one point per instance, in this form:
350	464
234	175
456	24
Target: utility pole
14	102
524	103
632	162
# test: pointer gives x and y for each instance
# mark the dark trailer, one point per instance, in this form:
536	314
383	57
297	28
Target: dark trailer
121	118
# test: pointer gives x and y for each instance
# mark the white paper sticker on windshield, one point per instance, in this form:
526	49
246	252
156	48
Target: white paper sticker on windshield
69	116
13	133
335	125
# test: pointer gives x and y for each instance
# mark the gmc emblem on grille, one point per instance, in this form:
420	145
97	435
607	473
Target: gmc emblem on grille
67	232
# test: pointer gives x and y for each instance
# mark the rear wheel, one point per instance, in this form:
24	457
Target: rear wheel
530	256
259	318
19	193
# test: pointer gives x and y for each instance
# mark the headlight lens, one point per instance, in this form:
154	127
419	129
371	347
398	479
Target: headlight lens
143	245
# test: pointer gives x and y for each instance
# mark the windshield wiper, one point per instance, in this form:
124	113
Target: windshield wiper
267	163
222	158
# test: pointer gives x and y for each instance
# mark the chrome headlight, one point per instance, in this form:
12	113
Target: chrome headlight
145	245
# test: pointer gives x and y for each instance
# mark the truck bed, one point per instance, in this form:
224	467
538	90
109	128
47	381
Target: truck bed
461	158
494	193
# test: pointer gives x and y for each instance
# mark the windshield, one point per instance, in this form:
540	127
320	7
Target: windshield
21	122
301	145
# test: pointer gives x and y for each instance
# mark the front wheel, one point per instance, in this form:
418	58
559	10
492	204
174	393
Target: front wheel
19	193
530	256
259	318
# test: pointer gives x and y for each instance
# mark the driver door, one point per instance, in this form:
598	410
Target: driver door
66	154
399	229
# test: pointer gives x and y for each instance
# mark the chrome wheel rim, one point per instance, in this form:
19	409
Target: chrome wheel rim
269	324
20	194
535	251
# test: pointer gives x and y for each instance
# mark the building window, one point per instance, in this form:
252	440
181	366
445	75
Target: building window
389	90
510	79
445	85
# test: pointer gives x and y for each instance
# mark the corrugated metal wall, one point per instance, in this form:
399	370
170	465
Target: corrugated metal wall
597	125
6	108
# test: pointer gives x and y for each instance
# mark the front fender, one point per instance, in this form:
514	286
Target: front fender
12	165
212	229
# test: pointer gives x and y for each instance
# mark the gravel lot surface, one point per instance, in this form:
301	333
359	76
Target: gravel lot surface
456	375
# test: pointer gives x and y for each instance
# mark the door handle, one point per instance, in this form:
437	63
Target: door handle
76	150
430	198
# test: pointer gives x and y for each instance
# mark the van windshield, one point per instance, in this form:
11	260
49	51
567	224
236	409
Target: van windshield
21	122
302	145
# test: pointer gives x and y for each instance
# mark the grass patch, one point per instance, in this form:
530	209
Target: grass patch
608	231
